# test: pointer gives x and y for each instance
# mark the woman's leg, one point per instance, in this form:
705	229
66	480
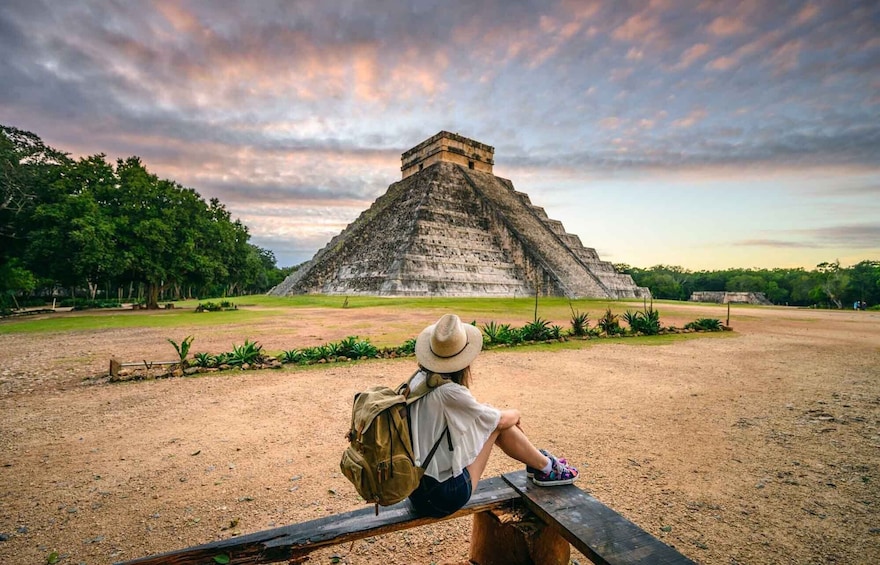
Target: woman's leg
515	444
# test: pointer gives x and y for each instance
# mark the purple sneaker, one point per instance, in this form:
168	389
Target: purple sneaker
530	471
560	474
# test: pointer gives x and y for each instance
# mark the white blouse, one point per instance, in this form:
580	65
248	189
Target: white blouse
470	424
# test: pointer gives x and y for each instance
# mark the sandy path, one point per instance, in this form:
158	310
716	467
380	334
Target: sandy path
761	446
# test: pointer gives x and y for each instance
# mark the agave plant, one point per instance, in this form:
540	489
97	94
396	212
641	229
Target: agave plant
203	359
222	358
609	323
363	349
408	347
555	332
537	330
316	353
247	353
291	356
182	348
646	322
510	335
331	350
346	346
580	323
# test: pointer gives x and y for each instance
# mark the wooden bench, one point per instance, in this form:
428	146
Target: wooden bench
598	532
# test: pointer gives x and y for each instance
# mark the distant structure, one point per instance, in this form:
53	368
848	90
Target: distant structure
452	228
451	148
722	297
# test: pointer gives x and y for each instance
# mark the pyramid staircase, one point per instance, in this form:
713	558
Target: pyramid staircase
450	231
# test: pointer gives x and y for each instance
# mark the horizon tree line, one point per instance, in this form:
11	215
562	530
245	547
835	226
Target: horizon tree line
829	285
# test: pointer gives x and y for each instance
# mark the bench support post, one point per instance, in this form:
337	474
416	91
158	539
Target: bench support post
500	537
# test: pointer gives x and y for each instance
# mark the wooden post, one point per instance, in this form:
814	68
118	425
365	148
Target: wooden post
500	537
114	367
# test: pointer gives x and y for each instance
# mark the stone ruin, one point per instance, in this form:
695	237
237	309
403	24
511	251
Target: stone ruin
722	297
450	227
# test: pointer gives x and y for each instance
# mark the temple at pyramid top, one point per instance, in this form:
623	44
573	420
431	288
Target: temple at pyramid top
450	227
449	147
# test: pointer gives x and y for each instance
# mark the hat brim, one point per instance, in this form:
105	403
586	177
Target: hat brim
429	361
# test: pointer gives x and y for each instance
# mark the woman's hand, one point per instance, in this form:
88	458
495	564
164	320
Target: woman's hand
509	418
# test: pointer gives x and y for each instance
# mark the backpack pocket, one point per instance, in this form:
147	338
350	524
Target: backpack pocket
399	479
354	467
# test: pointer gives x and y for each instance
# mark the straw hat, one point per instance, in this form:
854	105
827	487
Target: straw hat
449	345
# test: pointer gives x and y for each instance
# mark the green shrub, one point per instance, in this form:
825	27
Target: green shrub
84	304
706	324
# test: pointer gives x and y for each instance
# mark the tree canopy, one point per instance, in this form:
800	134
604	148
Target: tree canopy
102	227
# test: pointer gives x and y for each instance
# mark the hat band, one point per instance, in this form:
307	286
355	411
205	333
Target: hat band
466	343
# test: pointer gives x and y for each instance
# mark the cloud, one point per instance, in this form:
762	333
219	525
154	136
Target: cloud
724	26
693	118
853	236
306	106
691	55
858	236
777	243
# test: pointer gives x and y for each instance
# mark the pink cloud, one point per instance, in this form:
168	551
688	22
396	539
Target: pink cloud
691	55
637	27
723	63
725	26
691	119
610	123
807	13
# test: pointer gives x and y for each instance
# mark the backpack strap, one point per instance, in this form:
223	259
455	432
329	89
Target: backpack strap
436	445
432	381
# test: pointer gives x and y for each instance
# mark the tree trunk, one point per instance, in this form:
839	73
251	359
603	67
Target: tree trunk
152	296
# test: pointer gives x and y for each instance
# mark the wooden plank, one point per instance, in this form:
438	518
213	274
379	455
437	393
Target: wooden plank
597	531
296	541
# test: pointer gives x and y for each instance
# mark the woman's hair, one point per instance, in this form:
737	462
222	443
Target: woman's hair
462	377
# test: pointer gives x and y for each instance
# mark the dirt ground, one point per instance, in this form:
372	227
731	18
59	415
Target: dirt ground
756	446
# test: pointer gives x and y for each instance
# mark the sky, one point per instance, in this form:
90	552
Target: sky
704	134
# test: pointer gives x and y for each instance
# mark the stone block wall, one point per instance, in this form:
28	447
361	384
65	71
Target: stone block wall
723	297
451	148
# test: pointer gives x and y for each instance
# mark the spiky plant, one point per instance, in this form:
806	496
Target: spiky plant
580	323
182	349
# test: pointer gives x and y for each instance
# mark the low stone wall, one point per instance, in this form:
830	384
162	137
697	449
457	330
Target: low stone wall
723	297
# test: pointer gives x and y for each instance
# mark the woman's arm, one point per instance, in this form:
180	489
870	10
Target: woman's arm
509	418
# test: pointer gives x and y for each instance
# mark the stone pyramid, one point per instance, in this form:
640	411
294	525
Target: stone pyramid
452	228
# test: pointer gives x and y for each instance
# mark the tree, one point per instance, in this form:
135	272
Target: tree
27	166
864	282
833	281
72	236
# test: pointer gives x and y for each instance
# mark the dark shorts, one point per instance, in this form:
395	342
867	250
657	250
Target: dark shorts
436	499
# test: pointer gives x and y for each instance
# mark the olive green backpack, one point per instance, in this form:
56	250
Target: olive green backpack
379	460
